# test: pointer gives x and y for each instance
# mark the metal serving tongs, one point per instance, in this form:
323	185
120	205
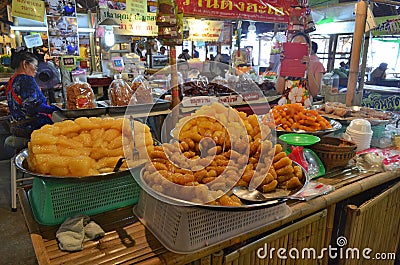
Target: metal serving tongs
135	152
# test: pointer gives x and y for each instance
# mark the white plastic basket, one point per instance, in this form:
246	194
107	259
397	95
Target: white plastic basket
185	230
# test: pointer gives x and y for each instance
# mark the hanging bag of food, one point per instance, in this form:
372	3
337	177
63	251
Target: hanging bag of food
80	95
142	90
120	92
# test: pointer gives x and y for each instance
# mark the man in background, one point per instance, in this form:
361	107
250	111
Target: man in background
378	74
185	55
162	50
195	53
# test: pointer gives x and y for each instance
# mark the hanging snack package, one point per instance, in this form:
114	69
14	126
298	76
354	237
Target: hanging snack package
80	96
142	90
120	92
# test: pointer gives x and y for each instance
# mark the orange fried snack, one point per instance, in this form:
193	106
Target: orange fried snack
292	117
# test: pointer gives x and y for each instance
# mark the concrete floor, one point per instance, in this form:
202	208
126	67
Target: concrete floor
16	246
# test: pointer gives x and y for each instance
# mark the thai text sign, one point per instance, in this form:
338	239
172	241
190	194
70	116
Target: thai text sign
204	30
132	24
34	40
389	25
259	10
137	7
30	9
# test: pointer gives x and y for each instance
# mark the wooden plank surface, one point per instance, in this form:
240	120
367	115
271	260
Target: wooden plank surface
127	241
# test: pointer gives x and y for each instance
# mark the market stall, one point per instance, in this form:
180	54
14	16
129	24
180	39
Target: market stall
311	224
169	192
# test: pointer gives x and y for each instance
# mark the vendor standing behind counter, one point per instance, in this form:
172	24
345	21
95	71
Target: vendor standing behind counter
308	87
28	105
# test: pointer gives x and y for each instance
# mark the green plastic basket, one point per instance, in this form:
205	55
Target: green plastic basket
54	200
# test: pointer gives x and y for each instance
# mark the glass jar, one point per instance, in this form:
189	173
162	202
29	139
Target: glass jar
329	84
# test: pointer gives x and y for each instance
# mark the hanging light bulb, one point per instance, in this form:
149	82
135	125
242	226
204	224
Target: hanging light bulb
252	27
108	25
251	31
109	38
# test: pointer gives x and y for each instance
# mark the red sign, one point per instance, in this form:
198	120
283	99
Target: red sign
258	10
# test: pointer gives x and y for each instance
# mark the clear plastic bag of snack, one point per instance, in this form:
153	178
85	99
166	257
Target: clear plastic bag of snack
80	95
142	90
120	92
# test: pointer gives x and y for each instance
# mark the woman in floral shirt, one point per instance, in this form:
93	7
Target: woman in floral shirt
28	106
302	90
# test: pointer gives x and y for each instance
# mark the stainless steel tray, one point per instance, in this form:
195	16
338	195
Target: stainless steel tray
246	205
335	126
21	163
99	111
157	105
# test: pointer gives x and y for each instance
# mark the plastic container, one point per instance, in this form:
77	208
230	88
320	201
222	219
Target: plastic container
360	126
329	84
183	229
363	140
54	200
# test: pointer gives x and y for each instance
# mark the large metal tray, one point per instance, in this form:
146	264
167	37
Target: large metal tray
95	112
335	126
347	120
22	165
280	197
157	105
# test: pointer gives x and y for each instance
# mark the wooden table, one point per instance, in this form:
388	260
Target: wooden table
127	241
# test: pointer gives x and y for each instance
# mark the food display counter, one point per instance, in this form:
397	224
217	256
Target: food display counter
310	225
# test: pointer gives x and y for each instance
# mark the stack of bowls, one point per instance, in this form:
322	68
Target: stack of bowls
359	131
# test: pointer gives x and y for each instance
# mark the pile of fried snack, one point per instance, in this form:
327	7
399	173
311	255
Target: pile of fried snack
293	117
86	146
217	148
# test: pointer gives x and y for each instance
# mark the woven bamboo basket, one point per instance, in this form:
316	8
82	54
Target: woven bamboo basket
334	152
334	144
334	159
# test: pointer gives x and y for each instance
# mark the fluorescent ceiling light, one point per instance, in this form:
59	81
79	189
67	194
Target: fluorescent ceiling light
25	28
85	30
44	29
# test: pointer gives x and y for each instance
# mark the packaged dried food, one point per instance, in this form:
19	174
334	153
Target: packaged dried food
142	90
120	92
80	96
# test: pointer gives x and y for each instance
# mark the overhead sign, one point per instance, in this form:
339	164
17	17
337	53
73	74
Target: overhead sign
30	9
204	30
34	40
131	24
137	7
389	25
258	10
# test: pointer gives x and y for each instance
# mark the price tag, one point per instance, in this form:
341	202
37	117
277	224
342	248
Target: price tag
118	63
34	40
68	62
